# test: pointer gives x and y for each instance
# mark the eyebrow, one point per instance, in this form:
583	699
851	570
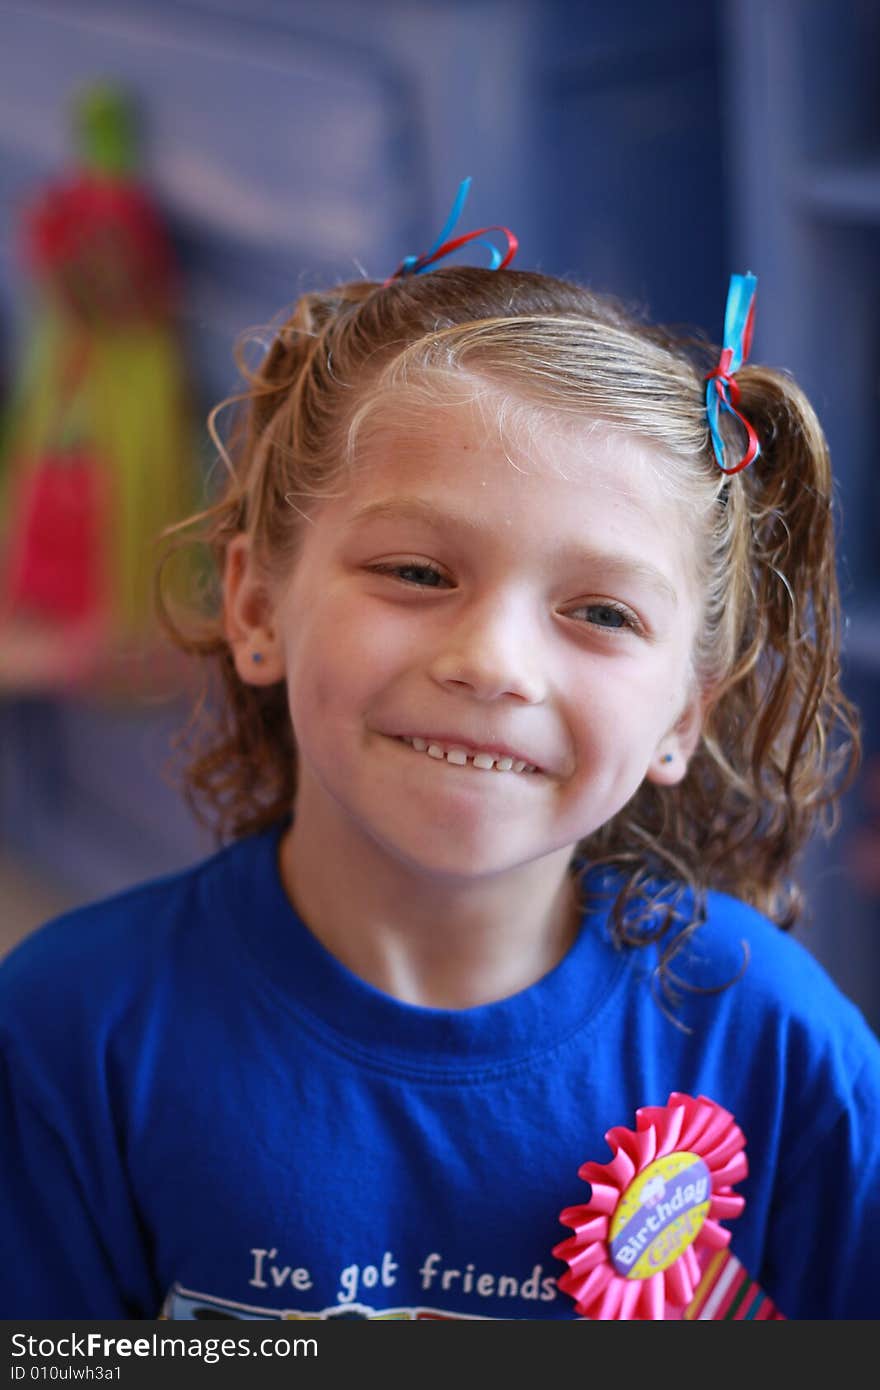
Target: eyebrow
418	509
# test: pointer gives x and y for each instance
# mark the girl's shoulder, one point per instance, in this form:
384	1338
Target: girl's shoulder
119	943
777	962
713	941
768	982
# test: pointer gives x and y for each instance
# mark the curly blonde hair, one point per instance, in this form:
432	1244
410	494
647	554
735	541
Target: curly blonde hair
780	740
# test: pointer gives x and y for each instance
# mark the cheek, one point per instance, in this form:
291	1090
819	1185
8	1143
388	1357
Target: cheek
621	706
314	663
341	655
321	672
379	637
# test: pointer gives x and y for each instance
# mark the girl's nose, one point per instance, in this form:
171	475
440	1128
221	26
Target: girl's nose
490	653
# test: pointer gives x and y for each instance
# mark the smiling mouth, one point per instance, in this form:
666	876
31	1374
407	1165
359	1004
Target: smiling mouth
464	757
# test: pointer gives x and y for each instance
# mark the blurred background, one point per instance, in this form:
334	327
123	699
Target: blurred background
259	150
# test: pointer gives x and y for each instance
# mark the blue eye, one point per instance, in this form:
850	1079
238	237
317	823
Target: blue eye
425	576
607	615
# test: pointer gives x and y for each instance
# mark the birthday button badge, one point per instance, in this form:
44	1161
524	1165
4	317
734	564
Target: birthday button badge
652	1210
660	1215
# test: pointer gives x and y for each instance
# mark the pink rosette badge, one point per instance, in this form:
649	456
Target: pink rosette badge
652	1210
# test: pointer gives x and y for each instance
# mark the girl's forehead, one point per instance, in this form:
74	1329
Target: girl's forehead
523	453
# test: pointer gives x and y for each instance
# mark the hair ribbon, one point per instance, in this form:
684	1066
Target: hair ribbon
722	391
444	246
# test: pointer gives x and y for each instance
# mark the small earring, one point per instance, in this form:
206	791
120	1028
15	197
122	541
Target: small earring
256	656
667	758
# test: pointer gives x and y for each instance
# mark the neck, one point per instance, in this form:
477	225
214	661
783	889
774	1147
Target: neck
426	939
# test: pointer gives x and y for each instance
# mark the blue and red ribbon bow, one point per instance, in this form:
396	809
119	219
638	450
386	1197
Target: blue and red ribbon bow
722	391
443	246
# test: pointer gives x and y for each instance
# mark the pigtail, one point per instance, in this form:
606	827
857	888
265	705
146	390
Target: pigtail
781	741
780	725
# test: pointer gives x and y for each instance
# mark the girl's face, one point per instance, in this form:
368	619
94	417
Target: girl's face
531	604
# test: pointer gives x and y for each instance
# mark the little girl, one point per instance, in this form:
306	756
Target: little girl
529	703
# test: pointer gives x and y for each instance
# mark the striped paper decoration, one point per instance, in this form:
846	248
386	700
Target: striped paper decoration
726	1293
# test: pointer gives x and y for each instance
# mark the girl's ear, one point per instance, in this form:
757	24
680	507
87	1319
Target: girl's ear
249	618
672	754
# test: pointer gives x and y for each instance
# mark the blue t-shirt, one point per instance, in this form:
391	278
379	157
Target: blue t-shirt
203	1113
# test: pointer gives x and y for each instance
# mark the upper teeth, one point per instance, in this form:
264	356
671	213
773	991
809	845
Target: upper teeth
461	756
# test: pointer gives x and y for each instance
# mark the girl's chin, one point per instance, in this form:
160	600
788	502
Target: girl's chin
455	853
